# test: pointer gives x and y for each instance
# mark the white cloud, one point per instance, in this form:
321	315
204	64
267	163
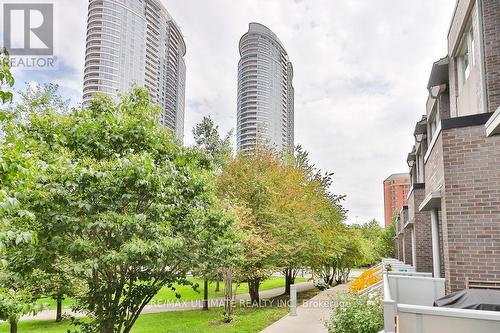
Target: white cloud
361	69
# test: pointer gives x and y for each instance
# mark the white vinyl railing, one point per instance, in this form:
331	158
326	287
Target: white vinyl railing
410	297
421	274
403	289
415	290
426	319
390	308
398	266
372	289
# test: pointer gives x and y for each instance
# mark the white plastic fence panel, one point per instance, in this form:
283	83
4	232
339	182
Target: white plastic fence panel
415	290
409	273
415	319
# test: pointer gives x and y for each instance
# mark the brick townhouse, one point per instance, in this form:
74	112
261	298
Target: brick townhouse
453	207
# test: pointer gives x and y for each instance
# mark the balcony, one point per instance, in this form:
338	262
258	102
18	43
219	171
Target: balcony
408	307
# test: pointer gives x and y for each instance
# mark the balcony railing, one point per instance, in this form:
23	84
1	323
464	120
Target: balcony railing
408	307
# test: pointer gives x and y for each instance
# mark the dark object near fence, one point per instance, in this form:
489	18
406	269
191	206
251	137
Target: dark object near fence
474	299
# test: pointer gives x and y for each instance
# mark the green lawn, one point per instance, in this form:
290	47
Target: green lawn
247	320
188	294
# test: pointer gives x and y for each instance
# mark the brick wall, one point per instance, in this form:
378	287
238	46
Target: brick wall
422	227
491	26
434	167
470	205
408	250
400	253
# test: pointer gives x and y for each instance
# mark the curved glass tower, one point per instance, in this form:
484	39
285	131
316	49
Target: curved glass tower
265	91
136	42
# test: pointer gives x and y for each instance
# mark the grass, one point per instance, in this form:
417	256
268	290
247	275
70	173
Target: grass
246	320
187	293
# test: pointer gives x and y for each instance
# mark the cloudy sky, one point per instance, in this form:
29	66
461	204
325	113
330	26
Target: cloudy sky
361	69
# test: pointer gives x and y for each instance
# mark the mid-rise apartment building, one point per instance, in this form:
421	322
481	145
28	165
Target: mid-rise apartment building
265	92
136	42
454	201
396	188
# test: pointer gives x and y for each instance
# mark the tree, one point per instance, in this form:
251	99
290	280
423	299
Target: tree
38	98
369	234
385	243
248	183
312	208
6	78
54	280
304	163
283	209
16	297
17	172
13	305
208	139
219	151
57	282
330	243
121	201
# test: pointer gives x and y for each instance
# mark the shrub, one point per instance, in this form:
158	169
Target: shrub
356	313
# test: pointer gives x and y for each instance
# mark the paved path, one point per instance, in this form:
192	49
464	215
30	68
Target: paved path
310	316
178	305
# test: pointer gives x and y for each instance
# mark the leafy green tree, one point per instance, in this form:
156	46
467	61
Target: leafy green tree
316	210
17	174
385	243
6	78
17	297
339	249
284	209
369	234
38	98
13	305
219	150
53	278
209	140
325	178
121	201
248	184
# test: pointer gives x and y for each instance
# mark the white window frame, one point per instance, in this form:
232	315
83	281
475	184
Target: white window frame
466	58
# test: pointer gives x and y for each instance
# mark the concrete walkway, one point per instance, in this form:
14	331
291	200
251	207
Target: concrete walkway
178	305
310	316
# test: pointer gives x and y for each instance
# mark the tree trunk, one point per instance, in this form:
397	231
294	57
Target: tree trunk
217	286
228	296
289	279
13	326
346	274
205	295
59	309
338	276
253	288
107	326
329	275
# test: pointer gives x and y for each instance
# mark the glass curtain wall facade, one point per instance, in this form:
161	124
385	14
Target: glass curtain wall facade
265	92
136	42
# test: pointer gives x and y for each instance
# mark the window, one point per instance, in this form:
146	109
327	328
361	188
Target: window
433	122
466	56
